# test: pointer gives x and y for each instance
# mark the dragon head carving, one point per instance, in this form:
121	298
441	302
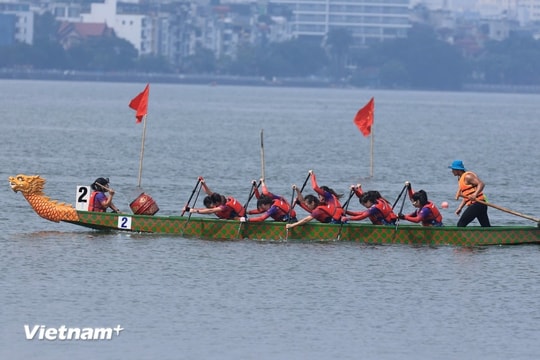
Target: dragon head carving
31	186
27	184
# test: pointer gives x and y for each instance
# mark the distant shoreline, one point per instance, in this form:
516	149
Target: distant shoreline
311	82
163	78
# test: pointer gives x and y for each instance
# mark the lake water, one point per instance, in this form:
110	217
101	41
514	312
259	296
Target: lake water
179	298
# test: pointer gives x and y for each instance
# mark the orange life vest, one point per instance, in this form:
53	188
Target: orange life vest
467	189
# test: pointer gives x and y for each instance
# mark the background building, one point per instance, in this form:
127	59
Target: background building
368	21
16	24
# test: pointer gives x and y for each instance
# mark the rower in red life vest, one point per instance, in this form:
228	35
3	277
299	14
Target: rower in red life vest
426	213
325	208
379	210
270	205
223	207
99	202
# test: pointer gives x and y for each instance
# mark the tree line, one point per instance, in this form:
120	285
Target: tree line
420	61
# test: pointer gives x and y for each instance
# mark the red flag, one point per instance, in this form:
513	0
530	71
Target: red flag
140	103
364	118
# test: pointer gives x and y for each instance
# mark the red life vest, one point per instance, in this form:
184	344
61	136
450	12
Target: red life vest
321	213
231	209
94	205
283	209
385	215
435	217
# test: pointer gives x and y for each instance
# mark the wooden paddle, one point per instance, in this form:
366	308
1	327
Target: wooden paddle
301	189
104	187
399	196
528	217
189	200
351	193
293	203
251	193
194	202
401	208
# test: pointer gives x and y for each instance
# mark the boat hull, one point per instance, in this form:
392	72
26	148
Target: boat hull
207	228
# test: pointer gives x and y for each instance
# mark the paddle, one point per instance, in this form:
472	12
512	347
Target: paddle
189	200
262	156
528	217
399	196
301	189
293	203
345	212
194	202
401	208
251	193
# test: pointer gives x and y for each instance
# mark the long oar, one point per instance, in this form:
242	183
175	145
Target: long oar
301	189
293	204
194	202
189	200
251	193
528	217
399	196
401	208
345	212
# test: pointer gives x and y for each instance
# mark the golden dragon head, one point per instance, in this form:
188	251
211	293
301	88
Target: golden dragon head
31	186
27	184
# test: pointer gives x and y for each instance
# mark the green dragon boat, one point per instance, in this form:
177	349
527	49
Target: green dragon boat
206	228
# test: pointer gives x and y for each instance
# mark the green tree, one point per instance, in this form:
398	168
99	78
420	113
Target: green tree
297	57
203	61
102	54
153	64
47	53
510	61
426	62
337	43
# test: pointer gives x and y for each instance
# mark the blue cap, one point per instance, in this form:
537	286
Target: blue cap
457	165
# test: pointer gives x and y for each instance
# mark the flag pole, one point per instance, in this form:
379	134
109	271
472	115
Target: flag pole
142	152
262	155
371	153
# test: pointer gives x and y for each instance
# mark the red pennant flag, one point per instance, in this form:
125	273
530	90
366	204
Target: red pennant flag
140	104
364	118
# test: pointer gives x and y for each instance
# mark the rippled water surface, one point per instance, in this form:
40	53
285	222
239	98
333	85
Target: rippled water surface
180	298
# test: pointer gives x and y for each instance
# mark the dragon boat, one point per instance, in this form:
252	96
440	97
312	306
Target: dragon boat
205	228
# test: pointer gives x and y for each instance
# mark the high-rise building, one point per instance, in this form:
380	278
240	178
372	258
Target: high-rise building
16	23
368	21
